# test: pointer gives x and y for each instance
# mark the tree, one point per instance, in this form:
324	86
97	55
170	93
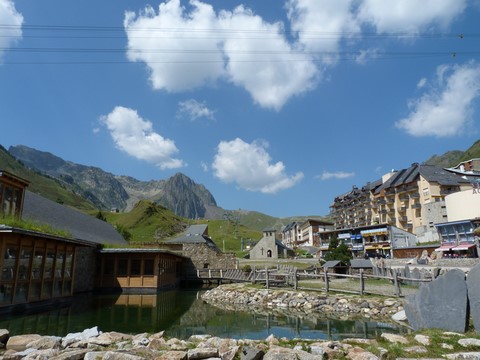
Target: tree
338	250
100	216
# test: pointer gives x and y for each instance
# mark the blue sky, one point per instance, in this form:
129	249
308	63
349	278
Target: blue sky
274	106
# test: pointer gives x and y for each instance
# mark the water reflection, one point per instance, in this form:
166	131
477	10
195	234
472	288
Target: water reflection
182	313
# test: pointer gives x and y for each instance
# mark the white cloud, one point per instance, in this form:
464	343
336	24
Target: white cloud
365	55
321	25
402	16
11	21
194	45
194	110
447	109
136	137
204	166
336	175
249	166
201	47
421	83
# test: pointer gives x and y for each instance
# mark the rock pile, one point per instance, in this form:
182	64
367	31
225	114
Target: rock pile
92	344
237	296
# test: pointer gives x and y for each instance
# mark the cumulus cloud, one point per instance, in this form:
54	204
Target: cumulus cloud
11	20
201	46
194	45
136	137
409	16
446	110
194	110
336	175
250	167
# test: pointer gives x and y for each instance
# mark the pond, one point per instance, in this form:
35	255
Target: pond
182	313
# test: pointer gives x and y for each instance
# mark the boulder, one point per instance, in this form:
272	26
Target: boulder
473	286
441	304
20	342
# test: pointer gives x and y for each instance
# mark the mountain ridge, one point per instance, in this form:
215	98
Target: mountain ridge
179	193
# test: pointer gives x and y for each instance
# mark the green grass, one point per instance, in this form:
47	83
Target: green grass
33	226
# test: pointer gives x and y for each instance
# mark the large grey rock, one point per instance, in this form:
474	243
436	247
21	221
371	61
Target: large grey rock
251	353
4	334
440	304
473	286
20	342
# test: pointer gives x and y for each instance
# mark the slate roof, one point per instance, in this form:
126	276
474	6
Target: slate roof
82	227
429	172
195	234
331	264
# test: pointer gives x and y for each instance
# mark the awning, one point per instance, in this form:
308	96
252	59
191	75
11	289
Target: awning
463	247
445	248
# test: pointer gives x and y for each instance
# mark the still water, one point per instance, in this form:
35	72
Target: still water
182	313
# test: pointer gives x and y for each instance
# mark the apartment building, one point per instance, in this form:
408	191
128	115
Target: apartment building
306	233
411	199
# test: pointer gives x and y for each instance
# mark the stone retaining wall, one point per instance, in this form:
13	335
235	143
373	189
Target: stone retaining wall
239	296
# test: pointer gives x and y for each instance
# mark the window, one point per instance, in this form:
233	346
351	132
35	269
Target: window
135	267
148	267
122	269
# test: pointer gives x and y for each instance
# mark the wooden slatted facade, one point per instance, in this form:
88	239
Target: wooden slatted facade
138	269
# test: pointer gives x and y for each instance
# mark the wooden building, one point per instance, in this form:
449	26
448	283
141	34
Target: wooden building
138	270
39	266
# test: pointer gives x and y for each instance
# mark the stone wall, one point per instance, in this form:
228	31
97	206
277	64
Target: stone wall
203	256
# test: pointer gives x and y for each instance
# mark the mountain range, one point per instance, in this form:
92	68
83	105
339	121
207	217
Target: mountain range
106	191
91	188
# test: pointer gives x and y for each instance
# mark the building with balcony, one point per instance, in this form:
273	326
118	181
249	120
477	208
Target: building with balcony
411	199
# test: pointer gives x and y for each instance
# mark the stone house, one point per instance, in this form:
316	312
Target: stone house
269	247
201	252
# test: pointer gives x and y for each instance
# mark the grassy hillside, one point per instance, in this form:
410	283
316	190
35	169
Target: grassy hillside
228	235
148	222
454	157
47	187
472	152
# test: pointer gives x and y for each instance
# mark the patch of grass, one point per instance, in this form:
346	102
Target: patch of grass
33	226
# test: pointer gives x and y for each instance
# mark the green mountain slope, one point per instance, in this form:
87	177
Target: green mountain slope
47	187
454	157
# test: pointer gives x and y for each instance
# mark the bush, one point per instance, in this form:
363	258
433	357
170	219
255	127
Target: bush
246	268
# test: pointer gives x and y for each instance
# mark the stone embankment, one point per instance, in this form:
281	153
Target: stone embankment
238	297
92	344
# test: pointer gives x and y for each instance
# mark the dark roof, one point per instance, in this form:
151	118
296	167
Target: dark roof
361	264
431	173
331	264
81	226
195	234
281	245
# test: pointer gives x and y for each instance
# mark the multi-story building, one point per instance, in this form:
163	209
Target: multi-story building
411	199
306	233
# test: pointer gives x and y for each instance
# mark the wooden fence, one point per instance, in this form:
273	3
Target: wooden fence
289	276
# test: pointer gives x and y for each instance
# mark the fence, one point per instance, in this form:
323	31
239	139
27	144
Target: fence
290	277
